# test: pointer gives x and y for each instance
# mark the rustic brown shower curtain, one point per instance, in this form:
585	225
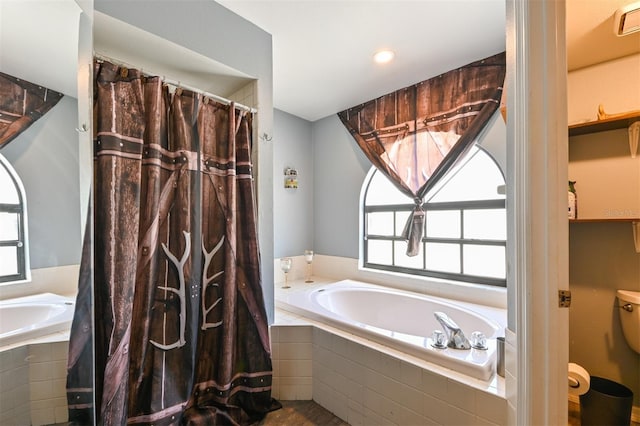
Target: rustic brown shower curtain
181	334
417	134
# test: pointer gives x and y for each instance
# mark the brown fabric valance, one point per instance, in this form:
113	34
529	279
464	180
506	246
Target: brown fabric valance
415	135
21	104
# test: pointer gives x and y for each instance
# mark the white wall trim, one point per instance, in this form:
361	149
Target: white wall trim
537	175
61	280
341	268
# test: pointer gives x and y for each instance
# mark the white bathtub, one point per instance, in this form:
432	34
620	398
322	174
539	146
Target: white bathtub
30	317
402	320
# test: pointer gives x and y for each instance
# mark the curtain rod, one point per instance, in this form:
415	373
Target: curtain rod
175	83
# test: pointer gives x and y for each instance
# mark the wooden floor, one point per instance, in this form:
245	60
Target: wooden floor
301	413
309	413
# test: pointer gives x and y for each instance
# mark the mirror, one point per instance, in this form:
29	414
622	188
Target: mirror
41	41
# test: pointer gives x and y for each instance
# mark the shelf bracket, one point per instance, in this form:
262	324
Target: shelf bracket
634	135
636	235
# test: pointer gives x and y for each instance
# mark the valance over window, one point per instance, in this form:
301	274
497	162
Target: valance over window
415	135
21	104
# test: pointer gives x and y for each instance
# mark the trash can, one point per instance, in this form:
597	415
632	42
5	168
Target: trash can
606	403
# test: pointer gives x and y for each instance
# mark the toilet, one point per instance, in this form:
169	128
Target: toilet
629	303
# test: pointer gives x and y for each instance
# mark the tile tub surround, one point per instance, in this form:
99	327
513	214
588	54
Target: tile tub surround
33	372
15	405
365	383
33	384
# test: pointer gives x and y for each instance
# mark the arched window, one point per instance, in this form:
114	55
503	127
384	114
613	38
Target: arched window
14	259
466	226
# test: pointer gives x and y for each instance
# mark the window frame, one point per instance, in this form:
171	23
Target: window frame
21	243
461	241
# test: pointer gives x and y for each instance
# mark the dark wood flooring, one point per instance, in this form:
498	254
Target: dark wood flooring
301	413
309	413
292	413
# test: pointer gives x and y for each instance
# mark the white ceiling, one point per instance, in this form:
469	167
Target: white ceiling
323	48
39	42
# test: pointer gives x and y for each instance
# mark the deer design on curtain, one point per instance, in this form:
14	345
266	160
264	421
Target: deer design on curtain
181	334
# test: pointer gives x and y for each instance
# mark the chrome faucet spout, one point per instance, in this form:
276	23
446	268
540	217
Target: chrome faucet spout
455	336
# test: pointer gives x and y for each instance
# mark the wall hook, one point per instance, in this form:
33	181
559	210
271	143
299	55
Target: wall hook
266	137
82	129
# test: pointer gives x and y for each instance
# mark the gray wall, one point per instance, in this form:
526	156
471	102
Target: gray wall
293	223
322	214
339	168
45	157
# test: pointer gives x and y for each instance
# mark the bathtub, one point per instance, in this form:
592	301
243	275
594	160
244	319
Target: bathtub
30	317
401	320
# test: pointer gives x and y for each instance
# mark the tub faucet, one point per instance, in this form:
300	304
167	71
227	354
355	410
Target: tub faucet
455	336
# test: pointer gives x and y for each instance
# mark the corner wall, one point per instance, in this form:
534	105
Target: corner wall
293	207
339	168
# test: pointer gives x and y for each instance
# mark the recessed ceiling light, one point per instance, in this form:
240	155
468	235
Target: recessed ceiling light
383	56
627	19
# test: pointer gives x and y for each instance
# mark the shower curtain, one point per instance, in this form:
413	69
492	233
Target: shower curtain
181	333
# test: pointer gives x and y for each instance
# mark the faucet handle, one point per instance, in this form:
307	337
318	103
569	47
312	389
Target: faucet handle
479	340
439	339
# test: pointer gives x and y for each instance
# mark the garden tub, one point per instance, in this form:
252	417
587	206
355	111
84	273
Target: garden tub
26	318
401	320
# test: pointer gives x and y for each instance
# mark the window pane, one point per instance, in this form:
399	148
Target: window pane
380	223
8	226
8	261
379	252
485	224
401	221
485	261
443	224
443	257
8	190
401	258
478	179
382	192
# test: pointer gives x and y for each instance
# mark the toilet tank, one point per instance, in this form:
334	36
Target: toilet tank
629	303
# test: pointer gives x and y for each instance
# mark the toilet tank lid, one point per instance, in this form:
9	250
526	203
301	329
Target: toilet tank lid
629	296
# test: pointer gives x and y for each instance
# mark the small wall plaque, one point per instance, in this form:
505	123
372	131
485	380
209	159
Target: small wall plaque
290	178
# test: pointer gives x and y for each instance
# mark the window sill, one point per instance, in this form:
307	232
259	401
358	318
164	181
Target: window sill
339	268
456	290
